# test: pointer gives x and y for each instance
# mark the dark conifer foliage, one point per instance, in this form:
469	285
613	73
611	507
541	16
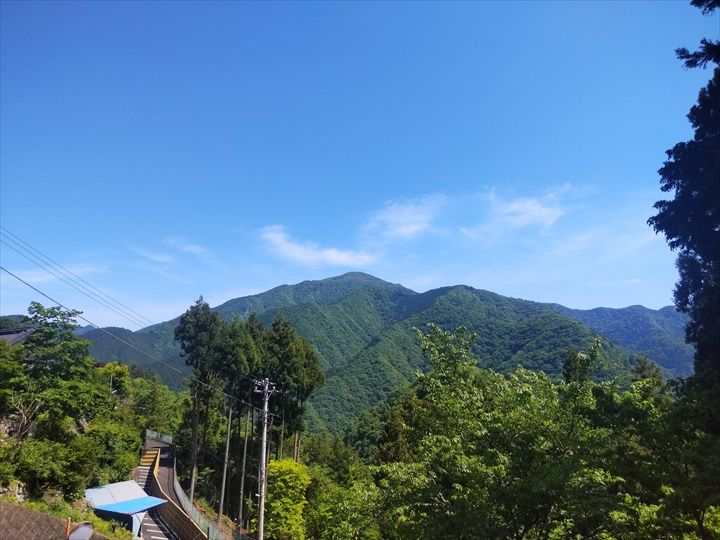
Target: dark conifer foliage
691	219
226	358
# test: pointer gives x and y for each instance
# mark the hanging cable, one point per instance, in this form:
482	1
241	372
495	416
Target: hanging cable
57	270
156	359
70	283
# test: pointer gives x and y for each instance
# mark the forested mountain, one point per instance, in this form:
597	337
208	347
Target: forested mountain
363	327
658	333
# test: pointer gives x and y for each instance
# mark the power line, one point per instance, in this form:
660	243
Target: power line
61	272
56	269
156	359
54	273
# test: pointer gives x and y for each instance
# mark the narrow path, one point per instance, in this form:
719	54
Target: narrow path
154	528
166	481
166	472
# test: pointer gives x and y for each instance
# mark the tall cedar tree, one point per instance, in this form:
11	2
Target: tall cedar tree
691	220
199	333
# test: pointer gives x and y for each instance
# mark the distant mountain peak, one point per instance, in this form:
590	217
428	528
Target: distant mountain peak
362	327
355	276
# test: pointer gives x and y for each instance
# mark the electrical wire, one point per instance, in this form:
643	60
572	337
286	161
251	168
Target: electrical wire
56	269
71	284
156	359
70	272
67	276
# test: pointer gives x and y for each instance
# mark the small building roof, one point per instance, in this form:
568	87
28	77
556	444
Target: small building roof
132	506
122	498
16	335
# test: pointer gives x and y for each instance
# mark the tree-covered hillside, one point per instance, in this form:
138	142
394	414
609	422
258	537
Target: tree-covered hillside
658	333
362	328
510	333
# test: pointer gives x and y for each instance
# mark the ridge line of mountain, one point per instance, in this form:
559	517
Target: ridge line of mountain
362	328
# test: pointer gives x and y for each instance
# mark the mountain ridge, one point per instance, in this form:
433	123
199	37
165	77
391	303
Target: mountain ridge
363	330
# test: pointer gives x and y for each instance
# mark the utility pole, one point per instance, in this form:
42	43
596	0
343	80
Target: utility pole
267	388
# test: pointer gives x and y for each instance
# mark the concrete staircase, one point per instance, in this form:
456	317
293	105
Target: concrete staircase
153	527
145	469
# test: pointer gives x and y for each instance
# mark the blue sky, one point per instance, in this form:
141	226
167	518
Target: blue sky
163	150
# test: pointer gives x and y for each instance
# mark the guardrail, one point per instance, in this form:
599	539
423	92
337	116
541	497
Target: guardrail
150	434
181	524
213	531
237	535
208	528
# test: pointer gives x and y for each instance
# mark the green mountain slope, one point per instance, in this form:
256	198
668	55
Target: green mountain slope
363	329
658	333
510	333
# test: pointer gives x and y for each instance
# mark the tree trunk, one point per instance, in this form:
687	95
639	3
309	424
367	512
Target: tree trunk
296	446
206	422
702	530
282	438
242	470
225	464
193	458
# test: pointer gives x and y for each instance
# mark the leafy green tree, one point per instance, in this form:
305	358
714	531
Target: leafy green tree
43	464
691	224
644	368
343	500
240	356
117	376
50	380
155	405
56	352
522	456
19	394
287	484
222	356
579	365
115	446
692	471
293	364
339	511
68	425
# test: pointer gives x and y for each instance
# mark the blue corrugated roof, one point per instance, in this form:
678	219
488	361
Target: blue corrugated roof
132	506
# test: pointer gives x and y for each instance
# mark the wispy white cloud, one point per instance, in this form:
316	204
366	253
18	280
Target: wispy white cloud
154	255
399	221
578	242
189	247
168	272
195	249
504	216
525	212
40	276
542	211
309	253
